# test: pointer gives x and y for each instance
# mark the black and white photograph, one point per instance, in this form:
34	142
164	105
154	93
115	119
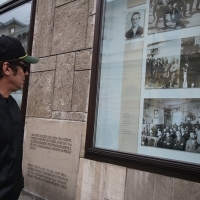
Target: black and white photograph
169	15
134	25
173	64
177	126
190	62
163	64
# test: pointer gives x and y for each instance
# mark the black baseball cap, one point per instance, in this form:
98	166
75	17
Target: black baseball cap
11	48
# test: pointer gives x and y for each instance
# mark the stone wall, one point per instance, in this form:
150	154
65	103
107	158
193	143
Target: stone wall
58	97
110	182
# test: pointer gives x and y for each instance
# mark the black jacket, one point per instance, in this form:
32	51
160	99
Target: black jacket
11	146
139	33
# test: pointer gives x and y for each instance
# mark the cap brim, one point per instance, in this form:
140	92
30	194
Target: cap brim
30	59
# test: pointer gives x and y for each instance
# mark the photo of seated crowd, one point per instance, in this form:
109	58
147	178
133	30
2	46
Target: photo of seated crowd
167	15
162	66
171	124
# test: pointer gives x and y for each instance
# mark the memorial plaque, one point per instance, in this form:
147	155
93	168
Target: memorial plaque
51	158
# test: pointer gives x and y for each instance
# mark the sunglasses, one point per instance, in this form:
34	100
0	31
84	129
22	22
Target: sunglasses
23	66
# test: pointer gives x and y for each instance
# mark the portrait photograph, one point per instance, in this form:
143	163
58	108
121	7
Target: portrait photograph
177	126
163	65
134	27
172	15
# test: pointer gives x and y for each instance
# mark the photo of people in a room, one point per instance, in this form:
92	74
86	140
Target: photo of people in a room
168	15
173	64
163	64
171	124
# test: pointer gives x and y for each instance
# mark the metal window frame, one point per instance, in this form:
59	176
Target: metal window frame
167	167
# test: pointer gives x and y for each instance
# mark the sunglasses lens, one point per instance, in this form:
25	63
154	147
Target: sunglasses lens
23	66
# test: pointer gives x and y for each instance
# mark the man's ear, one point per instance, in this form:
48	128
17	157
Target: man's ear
5	68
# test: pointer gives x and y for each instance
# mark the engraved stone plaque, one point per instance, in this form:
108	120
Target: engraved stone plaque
51	157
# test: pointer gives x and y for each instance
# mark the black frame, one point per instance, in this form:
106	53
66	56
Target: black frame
5	7
167	167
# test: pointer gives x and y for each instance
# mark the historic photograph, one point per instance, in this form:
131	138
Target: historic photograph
168	15
177	126
134	24
190	62
163	64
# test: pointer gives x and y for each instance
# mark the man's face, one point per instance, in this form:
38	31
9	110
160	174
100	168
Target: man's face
192	135
135	20
178	133
17	80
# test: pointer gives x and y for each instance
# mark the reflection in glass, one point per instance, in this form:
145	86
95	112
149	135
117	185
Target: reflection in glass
120	75
16	23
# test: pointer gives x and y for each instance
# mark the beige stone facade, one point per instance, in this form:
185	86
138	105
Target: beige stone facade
57	107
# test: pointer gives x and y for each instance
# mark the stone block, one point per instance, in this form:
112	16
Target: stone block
40	94
163	187
114	182
43	28
62	100
72	116
62	2
51	157
83	60
90	184
90	31
185	190
70	27
47	63
139	185
81	91
100	181
92	7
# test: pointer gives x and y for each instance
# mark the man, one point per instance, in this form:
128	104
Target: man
136	30
197	134
185	70
161	138
149	66
174	72
178	6
194	60
167	143
179	142
13	70
192	145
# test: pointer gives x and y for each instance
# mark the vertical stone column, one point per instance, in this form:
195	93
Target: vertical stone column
58	97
